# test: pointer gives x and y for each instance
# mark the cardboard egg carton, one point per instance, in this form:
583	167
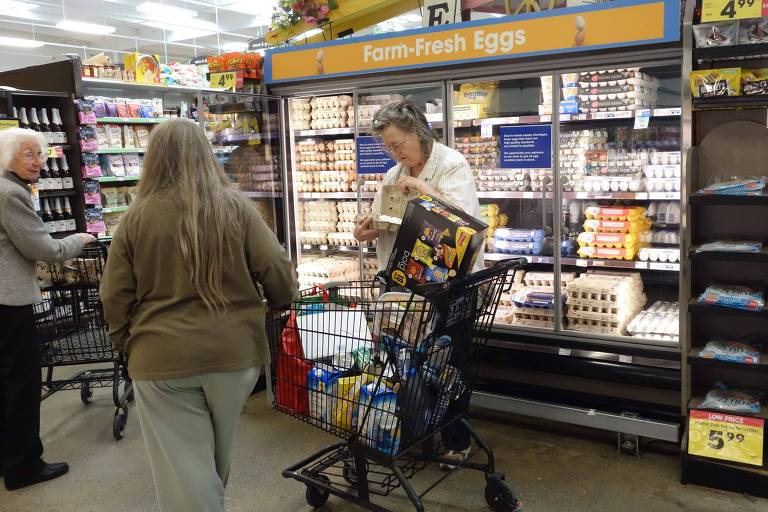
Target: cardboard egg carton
342	154
547	278
614	313
327	124
340	145
345	227
313	237
329	114
343	239
309	145
537	320
331	102
596	326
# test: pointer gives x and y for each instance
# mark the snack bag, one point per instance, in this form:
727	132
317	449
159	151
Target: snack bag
754	81
735	400
733	351
731	296
710	83
722	33
753	31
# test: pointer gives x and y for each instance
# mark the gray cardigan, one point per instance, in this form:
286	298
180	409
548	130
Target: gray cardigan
24	241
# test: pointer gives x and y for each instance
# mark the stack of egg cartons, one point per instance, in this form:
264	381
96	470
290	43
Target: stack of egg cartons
523	241
533	304
301	114
617	90
660	323
614	169
372	182
480	152
325	166
330	112
575	149
369	105
318	219
613	232
604	302
662	171
492	216
569	102
664	240
313	272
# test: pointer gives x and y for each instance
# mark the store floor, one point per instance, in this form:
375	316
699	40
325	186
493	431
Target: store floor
555	468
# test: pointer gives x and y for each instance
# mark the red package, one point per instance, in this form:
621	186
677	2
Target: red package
292	370
122	110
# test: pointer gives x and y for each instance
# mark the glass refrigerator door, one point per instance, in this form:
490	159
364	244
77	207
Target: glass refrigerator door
245	133
504	130
620	180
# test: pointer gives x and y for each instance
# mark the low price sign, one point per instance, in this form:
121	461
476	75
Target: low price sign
726	437
720	10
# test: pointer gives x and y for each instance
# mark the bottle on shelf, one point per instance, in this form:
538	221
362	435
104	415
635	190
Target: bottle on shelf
56	179
50	222
45	124
44	179
56	124
71	224
58	216
23	119
15	112
34	123
66	175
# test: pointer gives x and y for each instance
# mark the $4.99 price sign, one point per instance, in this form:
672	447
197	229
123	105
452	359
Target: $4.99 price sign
726	437
227	80
724	10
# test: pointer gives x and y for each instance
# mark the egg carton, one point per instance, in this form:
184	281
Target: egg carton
327	124
605	286
665	158
528	320
609	240
628	213
344	239
612	184
301	125
310	145
660	254
313	237
342	155
662	184
617	226
661	171
655	322
301	117
547	278
613	313
345	227
596	326
658	339
328	102
606	253
345	145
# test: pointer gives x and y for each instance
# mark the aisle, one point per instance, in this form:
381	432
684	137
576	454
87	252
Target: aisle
554	471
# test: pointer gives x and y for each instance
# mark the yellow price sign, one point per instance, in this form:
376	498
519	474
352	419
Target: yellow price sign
726	437
8	123
55	152
720	10
227	80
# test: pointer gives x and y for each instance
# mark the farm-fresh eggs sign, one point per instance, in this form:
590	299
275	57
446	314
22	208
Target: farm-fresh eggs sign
613	24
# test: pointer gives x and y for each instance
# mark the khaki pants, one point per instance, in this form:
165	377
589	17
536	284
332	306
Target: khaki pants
189	426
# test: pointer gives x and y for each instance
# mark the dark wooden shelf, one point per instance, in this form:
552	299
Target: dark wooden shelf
718	199
739	51
695	403
58	193
761	256
730	102
695	307
694	359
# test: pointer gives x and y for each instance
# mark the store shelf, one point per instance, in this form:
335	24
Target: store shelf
730	102
573	118
699	198
631	196
695	307
695	403
761	256
106	239
501	194
334	195
267	195
113	179
63	234
119	151
247	140
326	132
58	193
130	120
116	209
235	108
593	263
694	359
337	248
739	51
136	86
497	256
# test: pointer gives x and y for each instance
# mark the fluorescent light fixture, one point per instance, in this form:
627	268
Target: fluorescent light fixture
15	9
411	18
235	46
159	10
84	28
261	8
188	25
496	15
20	43
310	33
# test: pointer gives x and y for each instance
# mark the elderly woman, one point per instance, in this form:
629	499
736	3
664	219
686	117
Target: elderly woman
424	167
24	241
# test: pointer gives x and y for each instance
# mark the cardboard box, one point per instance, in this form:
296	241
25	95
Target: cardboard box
436	242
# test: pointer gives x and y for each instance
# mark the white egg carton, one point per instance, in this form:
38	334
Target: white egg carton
345	227
662	255
313	237
664	158
611	184
547	278
663	318
343	239
662	171
662	184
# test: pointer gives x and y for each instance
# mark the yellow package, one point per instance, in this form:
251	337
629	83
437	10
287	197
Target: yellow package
346	394
483	94
754	81
613	213
617	226
608	253
707	83
503	220
489	210
615	240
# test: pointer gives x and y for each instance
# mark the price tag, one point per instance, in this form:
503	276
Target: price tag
486	130
726	437
55	152
582	195
528	195
642	119
563	351
546	119
581	262
565	117
323	247
669	267
641	265
598	263
307	247
667	112
625	359
8	123
719	10
228	80
540	259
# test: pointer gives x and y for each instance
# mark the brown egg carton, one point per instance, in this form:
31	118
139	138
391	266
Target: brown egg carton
597	326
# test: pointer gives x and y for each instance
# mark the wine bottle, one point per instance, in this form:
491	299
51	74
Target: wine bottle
71	224
34	123
23	120
15	112
58	215
56	180
66	175
56	124
45	124
44	179
50	223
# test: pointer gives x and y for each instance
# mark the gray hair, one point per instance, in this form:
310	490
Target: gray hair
10	142
406	116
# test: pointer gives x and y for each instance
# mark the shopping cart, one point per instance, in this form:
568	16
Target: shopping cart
71	328
386	371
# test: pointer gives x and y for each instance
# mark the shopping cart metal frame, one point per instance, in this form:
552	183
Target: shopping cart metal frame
72	331
354	471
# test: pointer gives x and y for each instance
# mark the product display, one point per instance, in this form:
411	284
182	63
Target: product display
732	351
660	322
731	246
732	296
736	186
604	302
734	400
51	127
723	33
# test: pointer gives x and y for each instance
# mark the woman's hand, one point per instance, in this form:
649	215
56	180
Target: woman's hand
362	232
406	183
86	238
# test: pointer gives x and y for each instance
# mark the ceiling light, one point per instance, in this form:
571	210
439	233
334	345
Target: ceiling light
190	25
20	43
310	33
496	15
14	9
159	10
262	8
235	46
182	35
411	18
84	28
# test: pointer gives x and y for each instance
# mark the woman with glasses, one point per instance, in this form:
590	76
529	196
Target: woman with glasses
24	241
424	167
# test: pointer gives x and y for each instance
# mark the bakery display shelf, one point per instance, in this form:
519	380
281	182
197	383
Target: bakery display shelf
729	255
138	86
58	193
327	131
695	307
115	209
632	196
693	358
262	195
695	403
130	120
334	195
337	248
731	102
698	198
589	263
595	116
119	151
114	179
739	51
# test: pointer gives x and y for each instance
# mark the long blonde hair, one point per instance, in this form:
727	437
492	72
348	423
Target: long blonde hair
179	160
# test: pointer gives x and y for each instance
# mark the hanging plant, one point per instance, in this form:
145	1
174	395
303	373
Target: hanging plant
289	13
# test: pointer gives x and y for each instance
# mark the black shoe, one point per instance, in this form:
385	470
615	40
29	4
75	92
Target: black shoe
48	472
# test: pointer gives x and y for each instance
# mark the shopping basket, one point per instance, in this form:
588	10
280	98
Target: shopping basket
385	371
69	323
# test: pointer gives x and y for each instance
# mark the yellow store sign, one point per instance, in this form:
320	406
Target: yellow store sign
726	437
605	25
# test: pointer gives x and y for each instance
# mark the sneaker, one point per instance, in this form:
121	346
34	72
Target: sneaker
459	457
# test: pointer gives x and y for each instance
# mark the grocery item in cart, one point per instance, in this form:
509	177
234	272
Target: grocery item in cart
732	351
733	296
321	380
381	426
732	399
332	329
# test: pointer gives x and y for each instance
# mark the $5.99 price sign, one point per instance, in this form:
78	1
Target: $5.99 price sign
724	10
726	437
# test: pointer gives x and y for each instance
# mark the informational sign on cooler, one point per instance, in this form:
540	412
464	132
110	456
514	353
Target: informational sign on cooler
371	157
726	437
526	147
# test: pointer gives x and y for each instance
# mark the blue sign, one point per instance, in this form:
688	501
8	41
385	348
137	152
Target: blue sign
526	147
371	157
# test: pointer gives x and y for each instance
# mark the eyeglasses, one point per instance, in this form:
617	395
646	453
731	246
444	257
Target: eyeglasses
34	156
395	147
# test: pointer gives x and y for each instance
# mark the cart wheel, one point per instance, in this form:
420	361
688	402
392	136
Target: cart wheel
316	496
350	471
130	396
118	425
500	496
86	393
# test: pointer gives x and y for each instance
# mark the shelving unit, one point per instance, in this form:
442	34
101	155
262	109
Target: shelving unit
119	151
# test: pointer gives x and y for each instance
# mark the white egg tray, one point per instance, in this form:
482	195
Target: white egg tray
662	171
612	184
527	320
662	184
662	255
344	239
547	279
345	227
596	326
614	313
632	301
313	237
664	158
